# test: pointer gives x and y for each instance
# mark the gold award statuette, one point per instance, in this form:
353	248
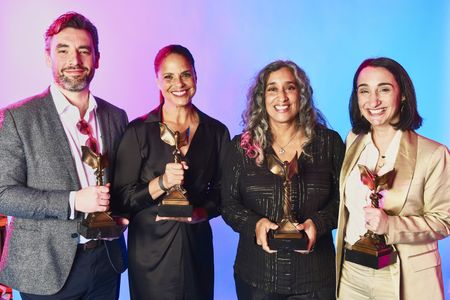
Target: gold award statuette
286	236
371	249
98	225
175	202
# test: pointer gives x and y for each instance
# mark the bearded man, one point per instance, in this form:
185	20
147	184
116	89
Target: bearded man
46	188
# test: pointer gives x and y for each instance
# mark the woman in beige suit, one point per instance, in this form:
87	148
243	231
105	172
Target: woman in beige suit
414	210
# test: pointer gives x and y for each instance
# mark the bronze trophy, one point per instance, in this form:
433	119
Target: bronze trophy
98	225
175	202
286	236
371	249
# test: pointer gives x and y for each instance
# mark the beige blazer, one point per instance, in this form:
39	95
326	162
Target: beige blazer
418	205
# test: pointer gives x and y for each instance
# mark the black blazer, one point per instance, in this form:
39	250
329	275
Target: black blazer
168	259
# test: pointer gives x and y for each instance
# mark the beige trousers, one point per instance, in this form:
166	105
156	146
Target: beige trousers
363	283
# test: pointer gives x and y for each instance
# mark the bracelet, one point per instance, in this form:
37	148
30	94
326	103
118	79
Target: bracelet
161	184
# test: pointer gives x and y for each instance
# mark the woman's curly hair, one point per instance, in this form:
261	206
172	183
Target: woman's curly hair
257	135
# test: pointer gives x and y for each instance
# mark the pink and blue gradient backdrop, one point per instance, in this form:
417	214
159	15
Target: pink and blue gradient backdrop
231	40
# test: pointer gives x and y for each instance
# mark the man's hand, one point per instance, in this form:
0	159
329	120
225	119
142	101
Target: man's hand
121	220
92	199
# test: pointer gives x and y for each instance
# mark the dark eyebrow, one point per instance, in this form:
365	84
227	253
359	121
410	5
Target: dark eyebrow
380	84
362	84
85	47
61	46
287	82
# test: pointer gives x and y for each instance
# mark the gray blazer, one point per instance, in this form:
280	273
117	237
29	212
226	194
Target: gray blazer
37	173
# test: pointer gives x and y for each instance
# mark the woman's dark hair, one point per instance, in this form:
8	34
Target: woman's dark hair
173	49
409	116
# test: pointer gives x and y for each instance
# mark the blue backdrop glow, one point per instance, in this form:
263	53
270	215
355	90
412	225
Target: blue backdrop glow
231	40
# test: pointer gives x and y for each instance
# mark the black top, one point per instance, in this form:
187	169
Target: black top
168	259
251	192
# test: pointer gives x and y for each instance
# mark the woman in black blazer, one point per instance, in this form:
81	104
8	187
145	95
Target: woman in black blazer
171	257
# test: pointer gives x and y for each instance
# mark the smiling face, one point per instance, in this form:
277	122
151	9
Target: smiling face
378	96
176	80
72	59
282	97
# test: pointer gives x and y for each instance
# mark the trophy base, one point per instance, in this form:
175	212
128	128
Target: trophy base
169	210
288	241
100	225
369	260
106	232
371	253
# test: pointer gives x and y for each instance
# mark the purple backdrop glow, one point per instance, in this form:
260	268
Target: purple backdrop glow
231	41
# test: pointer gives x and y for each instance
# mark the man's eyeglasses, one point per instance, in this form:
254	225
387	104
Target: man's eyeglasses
86	129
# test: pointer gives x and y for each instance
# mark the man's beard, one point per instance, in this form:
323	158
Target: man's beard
73	84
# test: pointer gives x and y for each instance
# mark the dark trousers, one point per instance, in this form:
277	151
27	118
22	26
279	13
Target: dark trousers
245	291
91	277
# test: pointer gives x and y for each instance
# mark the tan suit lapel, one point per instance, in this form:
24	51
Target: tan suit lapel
351	158
404	165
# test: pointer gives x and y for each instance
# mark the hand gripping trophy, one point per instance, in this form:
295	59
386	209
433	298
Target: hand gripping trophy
98	225
286	236
175	202
371	249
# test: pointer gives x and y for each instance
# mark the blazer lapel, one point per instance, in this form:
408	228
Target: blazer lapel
405	164
351	158
103	120
59	136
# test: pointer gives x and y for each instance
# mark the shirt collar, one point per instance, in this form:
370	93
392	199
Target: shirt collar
392	150
62	104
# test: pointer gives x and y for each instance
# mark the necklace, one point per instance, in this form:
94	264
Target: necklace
381	161
282	150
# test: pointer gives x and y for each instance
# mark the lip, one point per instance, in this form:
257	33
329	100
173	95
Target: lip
74	71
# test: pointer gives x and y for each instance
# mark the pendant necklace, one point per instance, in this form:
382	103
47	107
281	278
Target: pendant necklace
382	161
282	150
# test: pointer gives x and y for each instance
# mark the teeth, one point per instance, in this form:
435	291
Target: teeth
376	111
181	93
281	107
